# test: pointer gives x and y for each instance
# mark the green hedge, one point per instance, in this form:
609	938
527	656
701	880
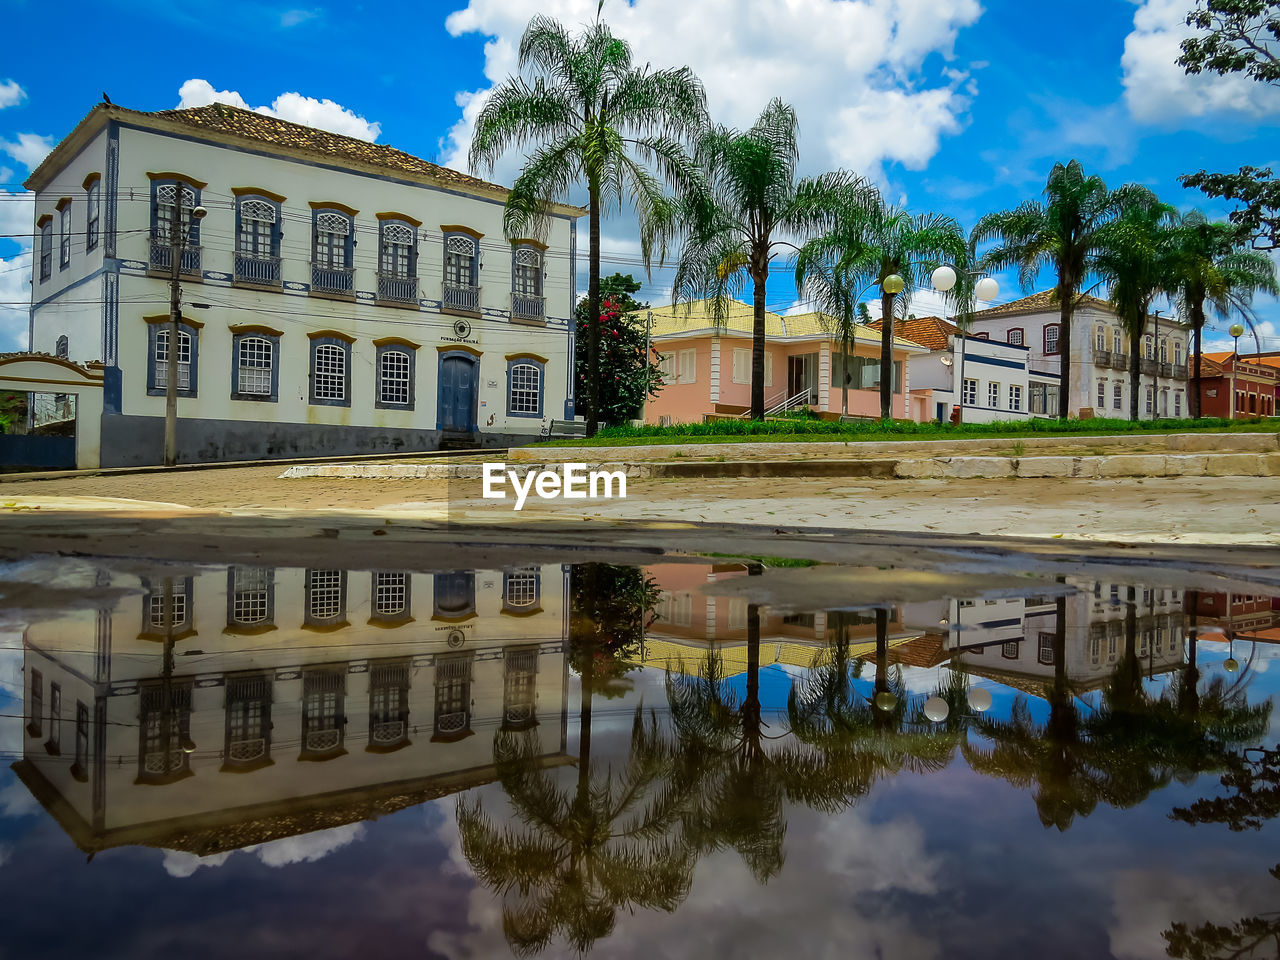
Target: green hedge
805	428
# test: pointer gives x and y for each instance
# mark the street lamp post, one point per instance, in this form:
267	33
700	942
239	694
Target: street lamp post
1236	331
177	241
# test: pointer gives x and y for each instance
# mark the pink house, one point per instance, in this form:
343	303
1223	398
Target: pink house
707	367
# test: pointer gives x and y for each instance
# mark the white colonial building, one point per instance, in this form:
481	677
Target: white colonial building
339	297
1100	352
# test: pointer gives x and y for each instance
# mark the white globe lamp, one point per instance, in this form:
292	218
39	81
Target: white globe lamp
986	289
944	278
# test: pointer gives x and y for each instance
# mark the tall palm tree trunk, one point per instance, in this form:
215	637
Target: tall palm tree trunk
759	279
1135	379
1197	327
886	355
1064	352
593	314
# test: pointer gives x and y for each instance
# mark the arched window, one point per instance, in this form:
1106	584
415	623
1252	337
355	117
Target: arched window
166	194
1100	339
395	368
93	214
521	590
397	249
461	291
329	372
331	249
1117	342
62	348
254	359
256	236
525	390
162	359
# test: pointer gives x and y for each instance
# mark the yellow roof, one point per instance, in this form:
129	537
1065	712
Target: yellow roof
698	319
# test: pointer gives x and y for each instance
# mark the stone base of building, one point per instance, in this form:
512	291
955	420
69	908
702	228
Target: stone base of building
130	441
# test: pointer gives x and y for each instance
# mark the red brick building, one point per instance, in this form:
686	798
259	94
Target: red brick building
1254	385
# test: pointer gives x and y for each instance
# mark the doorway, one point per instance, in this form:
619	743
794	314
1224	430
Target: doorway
802	376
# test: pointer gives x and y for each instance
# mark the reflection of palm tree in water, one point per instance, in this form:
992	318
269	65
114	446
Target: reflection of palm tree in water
608	843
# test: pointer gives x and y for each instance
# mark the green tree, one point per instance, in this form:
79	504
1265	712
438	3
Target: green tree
869	242
1063	233
748	207
1247	937
1136	261
590	117
1257	192
1212	268
628	364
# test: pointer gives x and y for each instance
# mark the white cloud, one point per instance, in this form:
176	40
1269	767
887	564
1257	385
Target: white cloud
306	848
322	114
11	94
15	283
29	149
883	108
292	18
1158	91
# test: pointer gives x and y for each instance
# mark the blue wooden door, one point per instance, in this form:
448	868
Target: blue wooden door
457	393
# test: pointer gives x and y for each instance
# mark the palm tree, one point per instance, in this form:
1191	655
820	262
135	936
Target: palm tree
1062	232
1136	262
580	854
869	243
590	116
747	206
1215	268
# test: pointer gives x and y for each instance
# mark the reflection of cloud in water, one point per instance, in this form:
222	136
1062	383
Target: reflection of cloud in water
277	853
16	800
11	693
833	899
1147	902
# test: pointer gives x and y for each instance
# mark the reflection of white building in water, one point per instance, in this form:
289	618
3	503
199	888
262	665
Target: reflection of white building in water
283	700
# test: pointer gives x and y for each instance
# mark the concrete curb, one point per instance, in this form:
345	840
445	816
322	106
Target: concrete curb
995	468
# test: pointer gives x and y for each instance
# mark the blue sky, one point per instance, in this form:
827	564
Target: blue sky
951	105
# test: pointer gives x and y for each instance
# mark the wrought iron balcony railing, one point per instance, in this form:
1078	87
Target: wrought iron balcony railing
461	298
255	268
1148	366
1102	358
1166	369
162	258
528	306
1119	361
397	289
1180	371
326	279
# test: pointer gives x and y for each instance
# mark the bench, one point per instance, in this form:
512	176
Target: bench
567	428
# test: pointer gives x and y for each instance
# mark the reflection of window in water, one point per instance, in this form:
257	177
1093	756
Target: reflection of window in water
250	595
326	595
80	768
453	696
165	727
518	689
521	589
388	704
179	607
35	713
455	594
1045	653
737	614
675	608
248	734
1010	650
322	720
390	594
799	620
54	743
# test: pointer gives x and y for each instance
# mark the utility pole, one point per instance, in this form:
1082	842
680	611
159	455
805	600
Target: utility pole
177	243
644	401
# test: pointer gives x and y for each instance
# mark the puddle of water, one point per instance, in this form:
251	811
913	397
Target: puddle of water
688	759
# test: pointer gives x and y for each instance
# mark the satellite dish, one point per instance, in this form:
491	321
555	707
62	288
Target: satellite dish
947	361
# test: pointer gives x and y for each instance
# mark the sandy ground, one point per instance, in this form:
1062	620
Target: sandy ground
1181	510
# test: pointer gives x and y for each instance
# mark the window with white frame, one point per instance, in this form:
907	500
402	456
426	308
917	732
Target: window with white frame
1045	652
1037	398
1014	337
1009	650
396	257
1177	352
741	365
394	367
969	392
250	595
257	228
326	595
1117	342
390	594
1051	338
46	248
162	359
1117	395
1015	397
178	607
521	590
993	394
688	366
162	212
1151	400
1149	348
526	389
1099	339
526	276
64	234
768	369
1164	351
460	261
329	372
93	214
1177	403
254	359
332	232
1102	394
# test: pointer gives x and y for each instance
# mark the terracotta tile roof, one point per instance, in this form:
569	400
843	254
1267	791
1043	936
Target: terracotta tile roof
1042	302
930	332
926	651
250	125
1209	367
